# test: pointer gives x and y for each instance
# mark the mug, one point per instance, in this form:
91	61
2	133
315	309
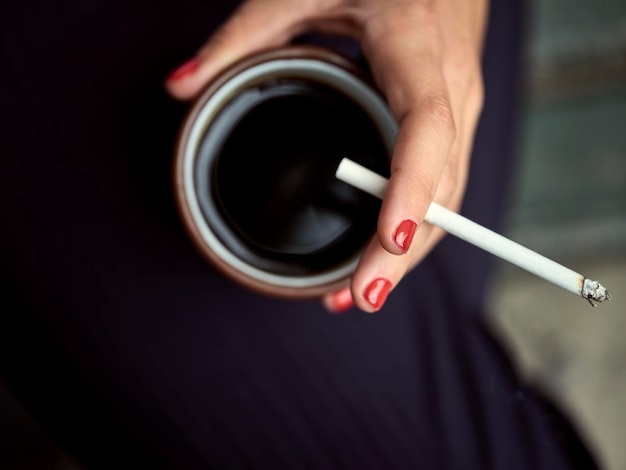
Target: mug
254	170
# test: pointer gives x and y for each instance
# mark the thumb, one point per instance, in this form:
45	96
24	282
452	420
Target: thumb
256	25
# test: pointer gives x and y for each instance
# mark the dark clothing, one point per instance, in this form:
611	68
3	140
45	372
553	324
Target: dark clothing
134	352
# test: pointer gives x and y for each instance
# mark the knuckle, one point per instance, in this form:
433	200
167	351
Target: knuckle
439	110
448	182
477	97
424	188
466	58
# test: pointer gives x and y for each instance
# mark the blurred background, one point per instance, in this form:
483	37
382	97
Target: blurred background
569	203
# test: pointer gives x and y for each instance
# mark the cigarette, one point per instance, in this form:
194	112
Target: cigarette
366	180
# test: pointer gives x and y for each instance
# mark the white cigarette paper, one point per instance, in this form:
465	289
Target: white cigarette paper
362	178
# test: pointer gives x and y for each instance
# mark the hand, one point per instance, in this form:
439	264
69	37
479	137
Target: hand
425	58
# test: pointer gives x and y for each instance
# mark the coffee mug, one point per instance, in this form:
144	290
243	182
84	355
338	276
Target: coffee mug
254	170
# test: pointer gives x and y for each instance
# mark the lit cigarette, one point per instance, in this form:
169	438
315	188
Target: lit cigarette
459	226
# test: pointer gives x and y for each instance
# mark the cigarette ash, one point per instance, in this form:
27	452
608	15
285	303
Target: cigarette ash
593	290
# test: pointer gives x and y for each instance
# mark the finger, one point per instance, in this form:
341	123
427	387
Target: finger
410	75
454	177
379	269
467	94
376	262
339	302
377	274
255	26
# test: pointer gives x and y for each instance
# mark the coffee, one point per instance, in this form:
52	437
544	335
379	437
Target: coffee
265	176
255	164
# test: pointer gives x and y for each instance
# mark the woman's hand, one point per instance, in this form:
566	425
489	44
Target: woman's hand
425	58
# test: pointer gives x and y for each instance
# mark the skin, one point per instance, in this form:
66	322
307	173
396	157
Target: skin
425	57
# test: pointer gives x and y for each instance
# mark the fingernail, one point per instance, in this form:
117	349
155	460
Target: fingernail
376	293
341	301
404	234
184	70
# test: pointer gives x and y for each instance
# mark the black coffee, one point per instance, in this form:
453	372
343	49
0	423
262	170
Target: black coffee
270	157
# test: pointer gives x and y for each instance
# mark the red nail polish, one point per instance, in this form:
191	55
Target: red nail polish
341	300
184	70
404	234
376	293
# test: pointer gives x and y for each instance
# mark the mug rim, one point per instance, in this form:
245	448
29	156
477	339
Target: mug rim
194	124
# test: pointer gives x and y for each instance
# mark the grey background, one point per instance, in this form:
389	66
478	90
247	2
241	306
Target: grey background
569	203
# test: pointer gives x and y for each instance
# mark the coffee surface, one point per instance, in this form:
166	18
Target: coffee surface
266	182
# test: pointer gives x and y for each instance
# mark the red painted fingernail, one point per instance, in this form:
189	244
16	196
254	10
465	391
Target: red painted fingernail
341	301
404	234
376	293
184	70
